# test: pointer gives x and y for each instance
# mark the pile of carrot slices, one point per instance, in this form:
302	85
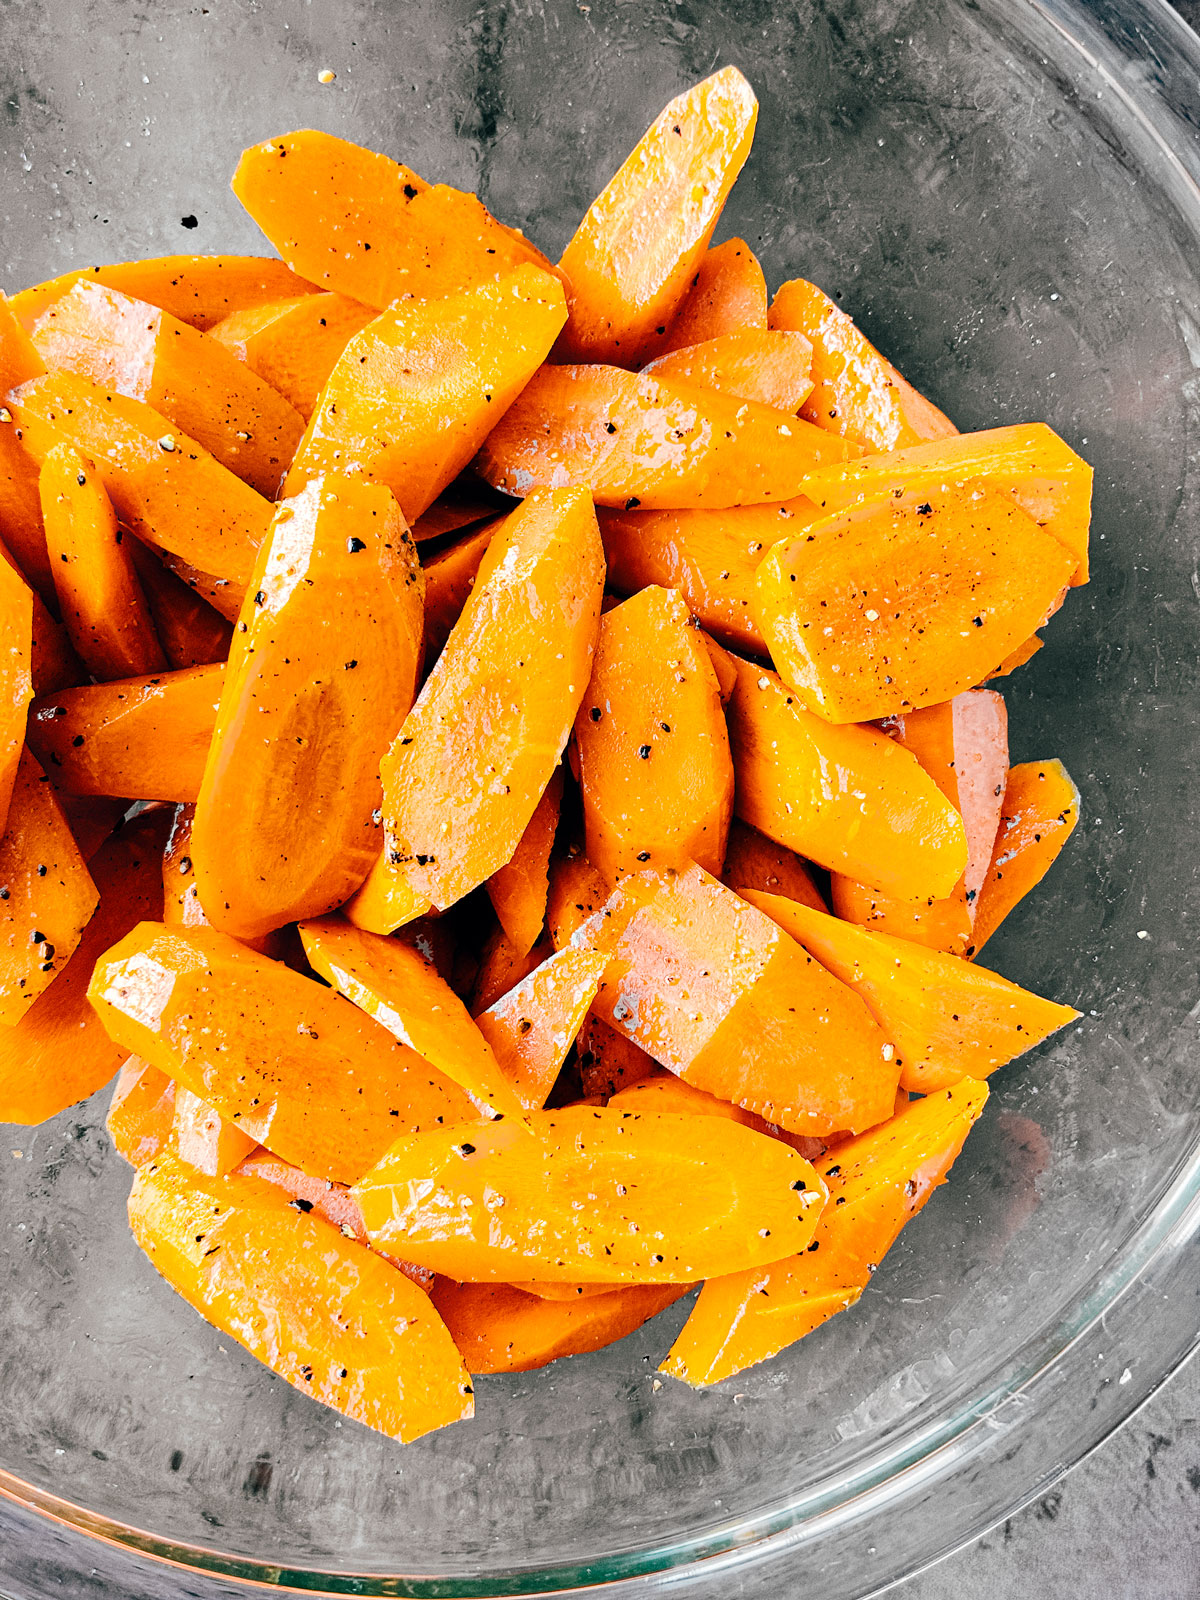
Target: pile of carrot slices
499	761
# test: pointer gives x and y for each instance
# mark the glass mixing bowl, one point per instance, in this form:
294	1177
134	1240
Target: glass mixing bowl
1003	192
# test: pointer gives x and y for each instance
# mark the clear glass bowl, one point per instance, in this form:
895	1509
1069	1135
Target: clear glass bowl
1004	194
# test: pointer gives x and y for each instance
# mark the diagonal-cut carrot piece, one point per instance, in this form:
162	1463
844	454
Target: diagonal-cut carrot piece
1040	808
727	294
533	1026
519	888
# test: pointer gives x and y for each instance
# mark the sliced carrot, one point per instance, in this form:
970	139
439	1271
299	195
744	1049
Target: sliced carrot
361	224
138	350
224	595
164	487
199	290
191	632
753	364
666	1092
634	255
711	557
203	1139
1040	809
661	443
142	738
322	672
1027	461
387	900
49	894
752	861
294	344
1017	658
893	605
981	770
654	763
723	665
58	1052
16	683
945	1016
847	798
576	890
463	504
534	1025
327	1315
475	754
20	506
519	888
393	983
500	1328
501	969
321	1084
610	1061
675	1198
877	1182
53	664
449	579
858	394
141	1113
102	602
413	395
727	293
715	991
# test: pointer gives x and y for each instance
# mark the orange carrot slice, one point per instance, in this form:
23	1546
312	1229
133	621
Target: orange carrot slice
610	1061
203	1139
294	344
773	369
534	1025
576	891
518	889
752	861
634	255
981	771
449	579
1039	811
16	684
727	294
501	969
20	506
676	1197
141	1113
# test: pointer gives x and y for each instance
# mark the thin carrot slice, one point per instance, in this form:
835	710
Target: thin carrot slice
634	255
102	603
675	1198
518	890
715	991
475	754
500	1328
711	557
199	290
49	898
847	798
315	1080
727	294
330	1317
654	763
192	633
1027	461
138	350
571	1292
414	395
203	1139
723	665
610	1061
53	664
141	738
322	672
141	1112
366	226
58	1052
858	394
387	900
752	861
1016	658
393	983
181	899
892	605
773	369
294	344
164	487
534	1025
877	1182
1040	809
449	579
20	506
501	969
945	1016
16	683
981	770
662	443
576	890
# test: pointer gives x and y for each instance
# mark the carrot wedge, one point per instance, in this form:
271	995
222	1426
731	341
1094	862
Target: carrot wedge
138	738
20	505
16	681
414	395
192	633
576	890
676	1197
1040	808
727	294
715	991
141	1113
519	888
633	257
858	393
474	756
322	672
946	1016
498	1327
202	1138
138	350
330	1317
533	1026
662	443
654	763
847	798
770	368
393	983
752	861
316	1081
294	344
877	1182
